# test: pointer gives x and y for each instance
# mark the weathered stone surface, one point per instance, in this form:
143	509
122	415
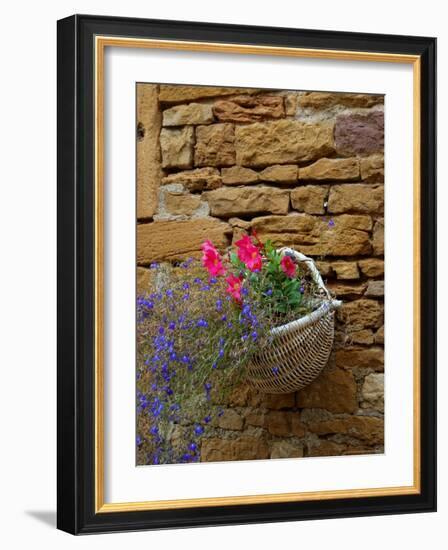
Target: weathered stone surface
291	102
246	108
282	142
149	172
238	175
378	238
361	337
372	357
145	280
237	201
309	199
285	449
323	100
177	147
178	93
277	401
371	267
375	289
199	179
231	420
239	395
379	336
365	428
179	203
347	291
333	390
372	169
240	228
345	236
356	197
256	417
361	134
284	423
244	448
280	173
215	145
361	314
166	240
346	270
324	268
372	392
331	170
322	447
192	113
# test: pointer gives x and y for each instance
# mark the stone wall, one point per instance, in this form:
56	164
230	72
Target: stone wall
305	169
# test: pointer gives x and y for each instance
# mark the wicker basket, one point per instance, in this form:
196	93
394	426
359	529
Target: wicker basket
300	349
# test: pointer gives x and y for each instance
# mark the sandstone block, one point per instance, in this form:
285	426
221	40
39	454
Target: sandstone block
281	423
378	238
285	449
256	417
360	357
347	291
192	113
346	236
178	93
280	173
361	337
231	420
371	267
174	240
331	170
199	179
346	270
215	145
324	100
149	171
278	401
372	169
333	390
282	142
322	447
309	199
375	289
237	201
361	314
365	428
246	108
379	336
356	197
177	147
244	448
145	280
361	134
373	392
238	175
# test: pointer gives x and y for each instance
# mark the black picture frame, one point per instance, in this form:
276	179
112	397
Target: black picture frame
76	251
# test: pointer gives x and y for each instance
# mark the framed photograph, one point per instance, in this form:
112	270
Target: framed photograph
246	274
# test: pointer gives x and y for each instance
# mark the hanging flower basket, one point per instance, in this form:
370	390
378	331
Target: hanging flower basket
300	349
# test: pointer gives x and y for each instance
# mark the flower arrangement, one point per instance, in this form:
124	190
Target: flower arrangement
196	333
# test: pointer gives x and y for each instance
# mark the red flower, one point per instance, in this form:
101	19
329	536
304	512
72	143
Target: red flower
234	288
211	259
288	266
249	254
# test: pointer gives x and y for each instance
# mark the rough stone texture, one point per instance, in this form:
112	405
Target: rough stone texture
378	238
245	448
361	314
238	175
372	169
314	236
179	203
236	201
149	172
331	170
333	390
199	179
246	108
145	279
373	392
215	145
362	337
346	291
309	199
177	147
166	240
371	267
346	270
359	134
192	113
323	100
286	173
230	420
356	197
175	93
282	142
360	357
281	423
379	336
323	447
364	428
375	289
284	449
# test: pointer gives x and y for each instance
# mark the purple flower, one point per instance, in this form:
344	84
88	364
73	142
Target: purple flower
198	430
172	325
192	446
202	323
154	265
268	292
331	223
275	370
207	419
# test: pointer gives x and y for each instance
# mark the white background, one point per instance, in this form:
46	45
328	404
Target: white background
28	275
123	481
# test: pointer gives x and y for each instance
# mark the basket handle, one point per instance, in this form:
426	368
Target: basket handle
314	272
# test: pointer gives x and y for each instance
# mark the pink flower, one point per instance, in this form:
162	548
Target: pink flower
288	266
234	288
211	259
249	254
